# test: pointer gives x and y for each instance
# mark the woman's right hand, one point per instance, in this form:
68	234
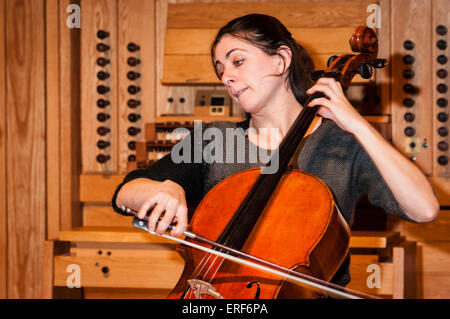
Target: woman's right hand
169	204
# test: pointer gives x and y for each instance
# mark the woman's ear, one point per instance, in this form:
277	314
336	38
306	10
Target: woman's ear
285	54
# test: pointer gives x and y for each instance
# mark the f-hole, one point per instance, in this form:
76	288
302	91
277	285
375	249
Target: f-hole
258	288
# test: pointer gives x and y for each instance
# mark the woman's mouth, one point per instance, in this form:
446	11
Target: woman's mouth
238	92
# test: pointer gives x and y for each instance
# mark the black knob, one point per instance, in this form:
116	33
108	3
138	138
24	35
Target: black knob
131	158
132	145
442	160
441	44
102	130
102	103
182	100
442	131
102	144
101	158
133	75
101	34
133	103
102	61
133	117
442	146
442	88
409	131
132	89
441	73
442	117
408	74
102	117
133	130
409	117
442	102
442	59
441	30
408	102
170	99
408	45
102	75
364	71
101	89
132	47
409	88
133	61
102	47
408	59
105	270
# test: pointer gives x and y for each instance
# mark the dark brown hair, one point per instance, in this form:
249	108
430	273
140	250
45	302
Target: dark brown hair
268	33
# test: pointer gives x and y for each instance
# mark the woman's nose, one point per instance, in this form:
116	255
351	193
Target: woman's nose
228	77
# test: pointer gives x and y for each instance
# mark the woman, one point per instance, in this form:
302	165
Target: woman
268	74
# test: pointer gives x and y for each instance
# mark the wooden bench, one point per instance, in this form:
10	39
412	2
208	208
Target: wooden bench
127	262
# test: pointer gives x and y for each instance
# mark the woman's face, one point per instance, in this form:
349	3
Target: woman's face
250	75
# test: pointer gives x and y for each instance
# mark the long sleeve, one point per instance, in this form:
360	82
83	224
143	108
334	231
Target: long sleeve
188	175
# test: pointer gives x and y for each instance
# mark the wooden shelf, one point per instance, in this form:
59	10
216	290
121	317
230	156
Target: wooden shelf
374	239
191	118
110	235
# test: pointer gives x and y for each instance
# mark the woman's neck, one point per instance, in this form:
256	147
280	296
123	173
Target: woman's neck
279	114
272	124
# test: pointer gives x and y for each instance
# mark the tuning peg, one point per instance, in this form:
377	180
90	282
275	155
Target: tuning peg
331	59
378	63
365	71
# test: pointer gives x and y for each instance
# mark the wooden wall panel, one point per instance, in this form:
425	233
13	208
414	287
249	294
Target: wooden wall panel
53	117
3	211
296	14
408	23
440	17
133	28
98	15
25	108
70	109
383	76
189	34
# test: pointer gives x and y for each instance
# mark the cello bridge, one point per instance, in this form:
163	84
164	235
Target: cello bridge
200	287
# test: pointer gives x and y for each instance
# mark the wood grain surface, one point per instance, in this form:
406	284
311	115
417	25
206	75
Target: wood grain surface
26	145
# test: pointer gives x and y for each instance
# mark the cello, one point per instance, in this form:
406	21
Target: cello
241	242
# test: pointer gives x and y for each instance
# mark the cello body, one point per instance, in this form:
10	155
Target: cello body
301	202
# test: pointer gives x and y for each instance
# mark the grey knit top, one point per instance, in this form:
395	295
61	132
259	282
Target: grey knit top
331	154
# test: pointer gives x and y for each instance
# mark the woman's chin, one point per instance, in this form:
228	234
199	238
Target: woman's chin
248	107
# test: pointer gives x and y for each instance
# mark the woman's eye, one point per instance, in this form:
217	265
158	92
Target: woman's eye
238	62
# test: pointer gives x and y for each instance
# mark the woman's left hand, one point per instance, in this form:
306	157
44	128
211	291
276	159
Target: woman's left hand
335	105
